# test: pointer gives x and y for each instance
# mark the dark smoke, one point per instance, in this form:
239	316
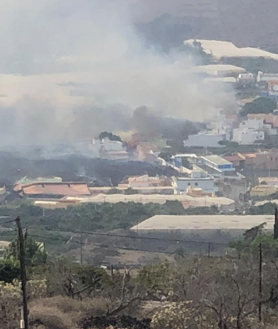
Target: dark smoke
149	122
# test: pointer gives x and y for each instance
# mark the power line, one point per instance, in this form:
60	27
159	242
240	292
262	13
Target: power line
135	237
209	244
7	222
103	245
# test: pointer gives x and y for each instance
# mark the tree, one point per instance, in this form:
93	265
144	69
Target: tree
35	254
9	271
181	316
110	136
156	280
259	105
130	191
196	50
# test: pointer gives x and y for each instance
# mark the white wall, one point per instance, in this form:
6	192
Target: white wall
144	181
252	124
247	136
204	140
181	186
107	145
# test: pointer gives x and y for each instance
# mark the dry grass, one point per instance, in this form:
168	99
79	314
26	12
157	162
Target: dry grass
50	318
62	312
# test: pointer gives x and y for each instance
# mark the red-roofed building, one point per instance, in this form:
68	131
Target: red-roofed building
238	160
53	190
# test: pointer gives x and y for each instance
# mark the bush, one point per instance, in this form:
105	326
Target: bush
64	312
259	105
179	316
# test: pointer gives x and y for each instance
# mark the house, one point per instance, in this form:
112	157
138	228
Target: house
238	160
270	181
247	136
267	160
204	139
246	79
263	190
183	185
54	190
268	119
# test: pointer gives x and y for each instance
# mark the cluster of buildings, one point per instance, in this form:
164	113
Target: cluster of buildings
207	175
251	131
193	186
140	147
256	127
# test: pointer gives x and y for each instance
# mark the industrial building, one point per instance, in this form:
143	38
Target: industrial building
203	226
217	162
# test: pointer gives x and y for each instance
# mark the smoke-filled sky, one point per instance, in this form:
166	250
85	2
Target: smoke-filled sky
72	68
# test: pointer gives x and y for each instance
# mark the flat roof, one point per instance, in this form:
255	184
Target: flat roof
185	155
205	222
217	160
214	69
209	170
193	179
158	198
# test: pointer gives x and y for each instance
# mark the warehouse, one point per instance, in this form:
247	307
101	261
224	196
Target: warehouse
203	227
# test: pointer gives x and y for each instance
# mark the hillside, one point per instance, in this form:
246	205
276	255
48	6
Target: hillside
242	22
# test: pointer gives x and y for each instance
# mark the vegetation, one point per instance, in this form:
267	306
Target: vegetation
189	292
253	65
110	136
93	217
34	252
230	148
266	209
197	52
259	105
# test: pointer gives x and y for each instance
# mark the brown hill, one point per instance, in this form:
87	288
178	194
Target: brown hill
243	22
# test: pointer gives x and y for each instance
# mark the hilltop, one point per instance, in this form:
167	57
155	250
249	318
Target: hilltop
244	23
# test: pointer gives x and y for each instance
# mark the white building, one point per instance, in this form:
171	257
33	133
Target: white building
266	77
196	181
255	124
205	140
246	136
246	79
107	145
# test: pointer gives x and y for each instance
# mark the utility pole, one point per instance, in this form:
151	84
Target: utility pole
81	249
260	282
209	249
25	324
276	224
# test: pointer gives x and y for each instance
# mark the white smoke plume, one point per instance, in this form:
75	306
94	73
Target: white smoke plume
71	68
